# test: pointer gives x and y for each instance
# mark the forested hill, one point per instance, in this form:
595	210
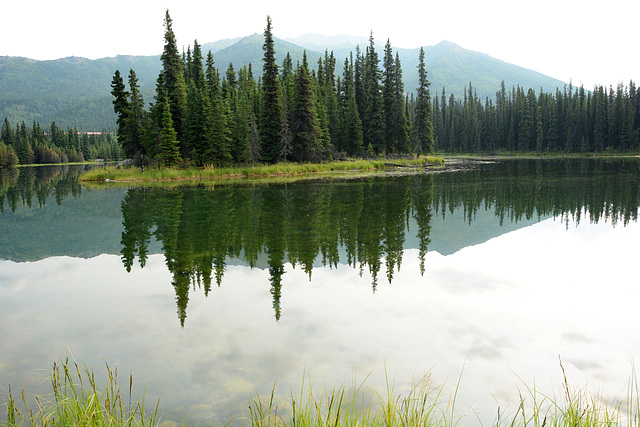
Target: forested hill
76	91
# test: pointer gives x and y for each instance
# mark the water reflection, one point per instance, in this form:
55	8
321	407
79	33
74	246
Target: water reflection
31	185
361	223
505	288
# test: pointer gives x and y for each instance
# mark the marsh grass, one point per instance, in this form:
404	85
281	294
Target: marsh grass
355	404
131	174
76	400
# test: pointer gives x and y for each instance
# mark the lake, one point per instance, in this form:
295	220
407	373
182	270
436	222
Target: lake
483	278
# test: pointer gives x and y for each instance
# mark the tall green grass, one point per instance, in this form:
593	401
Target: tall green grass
279	169
78	401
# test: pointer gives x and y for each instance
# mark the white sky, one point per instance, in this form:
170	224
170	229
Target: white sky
586	41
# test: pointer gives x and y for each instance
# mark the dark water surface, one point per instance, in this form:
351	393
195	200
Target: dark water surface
210	294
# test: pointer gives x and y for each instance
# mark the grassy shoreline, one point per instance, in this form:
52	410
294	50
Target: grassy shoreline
131	174
77	399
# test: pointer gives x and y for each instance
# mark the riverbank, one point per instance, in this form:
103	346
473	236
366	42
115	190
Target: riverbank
135	174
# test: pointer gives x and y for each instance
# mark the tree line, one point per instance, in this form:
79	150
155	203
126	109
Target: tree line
571	120
34	145
293	112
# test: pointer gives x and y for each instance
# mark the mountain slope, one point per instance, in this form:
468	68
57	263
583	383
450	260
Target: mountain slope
77	91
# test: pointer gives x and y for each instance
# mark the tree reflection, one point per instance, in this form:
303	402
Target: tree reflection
303	224
24	186
362	223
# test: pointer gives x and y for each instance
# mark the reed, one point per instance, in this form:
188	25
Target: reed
76	400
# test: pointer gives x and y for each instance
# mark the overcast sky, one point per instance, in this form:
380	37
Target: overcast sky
589	42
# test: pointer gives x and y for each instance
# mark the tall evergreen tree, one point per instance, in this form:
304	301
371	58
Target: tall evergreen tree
305	125
422	126
373	122
351	124
120	106
174	81
197	122
169	145
271	114
393	99
135	121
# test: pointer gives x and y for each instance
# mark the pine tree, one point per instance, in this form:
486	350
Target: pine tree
422	127
305	125
173	81
169	145
120	106
271	114
352	141
373	121
396	136
197	122
135	120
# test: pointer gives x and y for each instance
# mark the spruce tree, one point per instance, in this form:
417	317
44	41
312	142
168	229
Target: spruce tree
120	107
422	126
173	80
135	121
197	129
169	145
271	113
352	141
305	125
373	121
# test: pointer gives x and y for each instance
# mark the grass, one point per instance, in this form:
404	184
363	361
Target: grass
130	174
77	401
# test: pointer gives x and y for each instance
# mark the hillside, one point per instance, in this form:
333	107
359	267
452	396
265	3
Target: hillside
76	91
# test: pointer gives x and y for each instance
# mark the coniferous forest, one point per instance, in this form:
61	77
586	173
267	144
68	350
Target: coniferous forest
309	112
34	145
572	120
294	112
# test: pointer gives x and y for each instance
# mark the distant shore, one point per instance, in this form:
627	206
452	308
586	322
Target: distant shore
280	170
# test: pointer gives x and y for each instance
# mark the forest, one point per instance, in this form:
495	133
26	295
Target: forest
291	113
572	120
24	146
304	113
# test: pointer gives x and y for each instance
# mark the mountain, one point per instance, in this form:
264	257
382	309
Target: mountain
318	42
77	91
70	91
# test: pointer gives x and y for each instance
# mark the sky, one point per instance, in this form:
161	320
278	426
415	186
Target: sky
584	41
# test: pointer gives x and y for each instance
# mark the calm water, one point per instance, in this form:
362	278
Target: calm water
210	294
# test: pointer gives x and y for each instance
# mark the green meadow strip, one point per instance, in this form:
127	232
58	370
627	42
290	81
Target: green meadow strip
130	174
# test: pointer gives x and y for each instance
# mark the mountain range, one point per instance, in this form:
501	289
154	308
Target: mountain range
76	91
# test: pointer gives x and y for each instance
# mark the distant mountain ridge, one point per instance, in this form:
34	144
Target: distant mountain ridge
76	91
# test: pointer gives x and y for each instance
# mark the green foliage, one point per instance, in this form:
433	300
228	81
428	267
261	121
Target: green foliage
169	144
271	113
174	85
422	126
570	121
35	146
78	400
305	125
